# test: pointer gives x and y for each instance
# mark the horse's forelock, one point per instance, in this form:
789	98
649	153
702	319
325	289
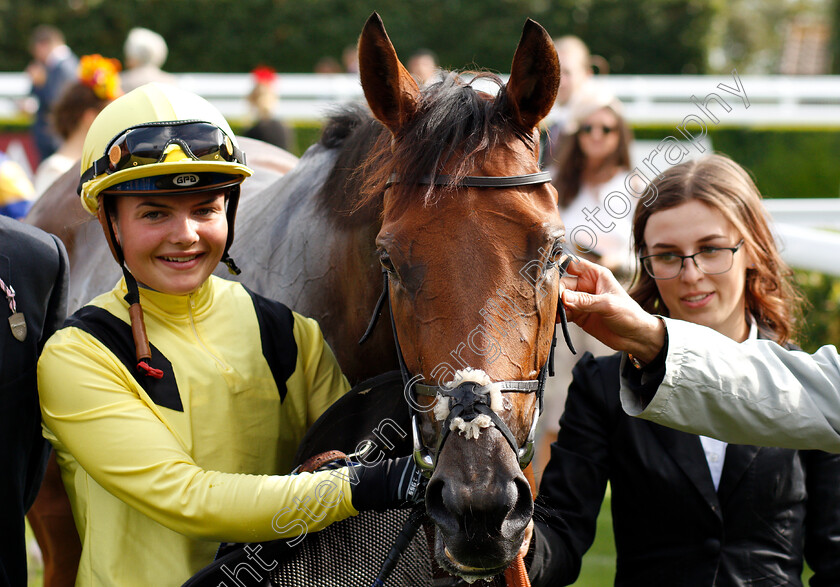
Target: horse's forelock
455	126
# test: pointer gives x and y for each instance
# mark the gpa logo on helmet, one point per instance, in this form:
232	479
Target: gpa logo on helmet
185	180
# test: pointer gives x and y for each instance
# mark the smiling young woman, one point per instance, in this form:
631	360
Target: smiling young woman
717	193
702	246
690	510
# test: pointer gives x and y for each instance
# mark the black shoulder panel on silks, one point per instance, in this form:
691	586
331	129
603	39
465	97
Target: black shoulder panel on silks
116	336
277	337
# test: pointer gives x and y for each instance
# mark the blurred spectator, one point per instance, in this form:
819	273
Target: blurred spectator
262	99
54	67
328	64
423	66
145	53
350	58
592	165
575	73
16	191
98	83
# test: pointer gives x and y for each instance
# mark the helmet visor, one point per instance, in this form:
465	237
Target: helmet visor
147	143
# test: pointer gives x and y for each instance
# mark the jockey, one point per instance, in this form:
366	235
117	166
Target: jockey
177	400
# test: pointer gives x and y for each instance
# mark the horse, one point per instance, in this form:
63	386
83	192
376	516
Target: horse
469	243
439	199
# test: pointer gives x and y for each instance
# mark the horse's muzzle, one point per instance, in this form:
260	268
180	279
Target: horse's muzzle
481	515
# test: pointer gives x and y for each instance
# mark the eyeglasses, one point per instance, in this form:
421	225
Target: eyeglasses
588	129
146	143
710	260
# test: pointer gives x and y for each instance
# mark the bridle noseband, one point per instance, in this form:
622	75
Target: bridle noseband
469	400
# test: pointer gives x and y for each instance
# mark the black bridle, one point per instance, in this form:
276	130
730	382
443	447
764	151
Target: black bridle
469	399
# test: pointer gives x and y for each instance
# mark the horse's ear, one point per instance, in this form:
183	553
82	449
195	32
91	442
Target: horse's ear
534	76
390	90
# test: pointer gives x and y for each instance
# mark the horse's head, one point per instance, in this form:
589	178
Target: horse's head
469	240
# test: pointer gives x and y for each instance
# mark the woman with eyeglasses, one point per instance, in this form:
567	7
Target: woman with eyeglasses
176	401
689	510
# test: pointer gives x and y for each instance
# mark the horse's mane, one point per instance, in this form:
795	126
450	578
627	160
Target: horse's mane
454	127
353	131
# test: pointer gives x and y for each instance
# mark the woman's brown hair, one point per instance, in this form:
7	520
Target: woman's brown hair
71	105
570	161
723	185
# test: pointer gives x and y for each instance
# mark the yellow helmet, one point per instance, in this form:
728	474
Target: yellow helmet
16	191
158	138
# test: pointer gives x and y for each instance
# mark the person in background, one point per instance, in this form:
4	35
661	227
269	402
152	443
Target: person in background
691	510
350	59
592	165
145	53
33	280
423	66
53	68
176	402
327	65
97	85
263	100
575	74
16	191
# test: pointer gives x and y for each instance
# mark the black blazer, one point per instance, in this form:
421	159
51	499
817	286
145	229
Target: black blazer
671	527
34	263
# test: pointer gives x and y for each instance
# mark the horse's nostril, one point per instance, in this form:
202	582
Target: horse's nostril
524	497
437	510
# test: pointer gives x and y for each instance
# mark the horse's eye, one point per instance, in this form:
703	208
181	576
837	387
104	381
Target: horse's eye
385	261
557	254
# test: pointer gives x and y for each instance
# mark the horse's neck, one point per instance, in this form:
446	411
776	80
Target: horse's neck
280	234
293	248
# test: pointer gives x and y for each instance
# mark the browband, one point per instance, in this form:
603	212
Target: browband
480	181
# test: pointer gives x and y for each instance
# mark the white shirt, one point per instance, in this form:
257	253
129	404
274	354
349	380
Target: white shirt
716	449
50	170
594	223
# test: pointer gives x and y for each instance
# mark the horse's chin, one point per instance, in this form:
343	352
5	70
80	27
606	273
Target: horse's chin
448	563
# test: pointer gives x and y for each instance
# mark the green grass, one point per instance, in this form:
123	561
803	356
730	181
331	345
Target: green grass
34	566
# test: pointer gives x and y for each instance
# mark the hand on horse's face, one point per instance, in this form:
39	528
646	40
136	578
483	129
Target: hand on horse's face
596	302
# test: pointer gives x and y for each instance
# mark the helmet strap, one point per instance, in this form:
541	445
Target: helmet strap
142	348
230	210
231	264
106	207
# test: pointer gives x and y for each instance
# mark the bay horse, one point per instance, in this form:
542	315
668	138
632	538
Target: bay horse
441	190
469	242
